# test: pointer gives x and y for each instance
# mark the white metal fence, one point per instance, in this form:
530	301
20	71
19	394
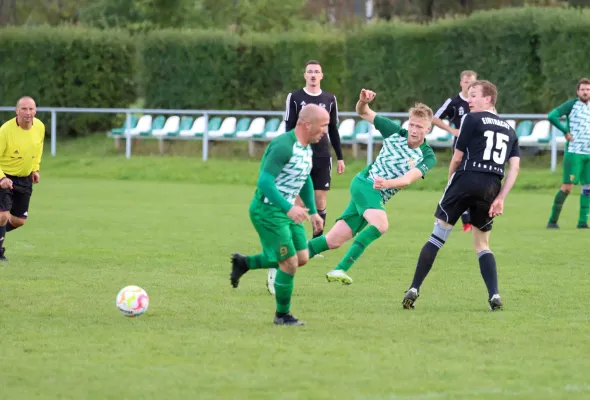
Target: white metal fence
207	113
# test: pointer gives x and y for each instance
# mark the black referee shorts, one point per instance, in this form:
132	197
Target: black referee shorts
321	173
17	200
473	191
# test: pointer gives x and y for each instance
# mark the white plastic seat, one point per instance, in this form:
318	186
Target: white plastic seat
143	125
346	128
541	130
280	130
256	129
172	124
197	128
227	126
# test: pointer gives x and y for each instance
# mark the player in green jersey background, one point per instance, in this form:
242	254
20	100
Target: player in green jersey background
404	158
285	174
576	161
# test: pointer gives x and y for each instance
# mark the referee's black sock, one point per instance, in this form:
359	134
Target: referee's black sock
9	227
426	259
322	213
487	266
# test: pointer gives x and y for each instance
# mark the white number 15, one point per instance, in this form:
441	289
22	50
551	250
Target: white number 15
498	142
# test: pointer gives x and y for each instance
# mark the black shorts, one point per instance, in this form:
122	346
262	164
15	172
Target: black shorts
17	200
321	173
469	191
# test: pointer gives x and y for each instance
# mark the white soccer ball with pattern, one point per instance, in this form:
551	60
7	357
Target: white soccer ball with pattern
132	301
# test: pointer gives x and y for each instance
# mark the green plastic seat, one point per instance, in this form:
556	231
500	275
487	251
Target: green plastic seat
524	128
242	125
185	124
157	123
121	131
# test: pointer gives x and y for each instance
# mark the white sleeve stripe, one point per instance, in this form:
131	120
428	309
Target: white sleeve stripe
442	108
461	127
336	105
288	106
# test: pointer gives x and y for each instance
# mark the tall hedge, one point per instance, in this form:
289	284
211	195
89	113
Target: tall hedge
204	70
564	52
407	63
68	67
181	69
533	55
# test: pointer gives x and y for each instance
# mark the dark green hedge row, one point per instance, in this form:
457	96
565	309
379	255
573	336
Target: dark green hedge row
219	71
68	67
534	56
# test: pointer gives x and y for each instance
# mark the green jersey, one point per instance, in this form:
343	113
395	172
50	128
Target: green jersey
578	124
396	157
290	163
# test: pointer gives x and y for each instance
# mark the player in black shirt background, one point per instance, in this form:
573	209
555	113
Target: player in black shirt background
321	173
454	109
484	145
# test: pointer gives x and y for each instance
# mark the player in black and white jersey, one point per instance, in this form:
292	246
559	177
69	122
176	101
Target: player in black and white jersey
321	173
453	110
484	145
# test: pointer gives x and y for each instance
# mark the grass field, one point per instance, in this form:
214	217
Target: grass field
61	336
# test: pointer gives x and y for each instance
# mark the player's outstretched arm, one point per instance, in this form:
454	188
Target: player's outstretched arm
362	105
439	122
497	207
398	183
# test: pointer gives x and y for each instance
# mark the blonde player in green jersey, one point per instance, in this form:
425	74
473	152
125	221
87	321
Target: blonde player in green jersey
284	175
576	162
404	158
21	148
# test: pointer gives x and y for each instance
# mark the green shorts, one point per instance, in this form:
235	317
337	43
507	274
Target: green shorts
281	238
363	198
576	168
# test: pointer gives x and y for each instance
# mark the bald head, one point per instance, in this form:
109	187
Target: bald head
27	99
25	111
312	113
312	124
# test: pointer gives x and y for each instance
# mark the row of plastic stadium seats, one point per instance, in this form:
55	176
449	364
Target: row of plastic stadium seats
351	130
190	127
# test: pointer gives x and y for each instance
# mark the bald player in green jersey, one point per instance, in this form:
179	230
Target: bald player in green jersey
404	158
285	174
576	161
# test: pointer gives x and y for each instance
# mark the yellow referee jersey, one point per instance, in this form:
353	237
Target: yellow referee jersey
20	149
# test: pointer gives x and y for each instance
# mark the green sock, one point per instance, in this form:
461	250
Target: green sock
259	261
557	205
364	239
317	245
584	208
283	291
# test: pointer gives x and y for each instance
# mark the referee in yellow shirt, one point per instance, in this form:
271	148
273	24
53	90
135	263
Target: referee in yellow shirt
21	147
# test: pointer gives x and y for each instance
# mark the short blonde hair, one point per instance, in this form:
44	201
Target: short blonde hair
421	111
468	73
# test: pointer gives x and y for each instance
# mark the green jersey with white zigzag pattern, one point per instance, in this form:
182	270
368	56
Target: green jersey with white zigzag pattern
396	157
291	162
578	120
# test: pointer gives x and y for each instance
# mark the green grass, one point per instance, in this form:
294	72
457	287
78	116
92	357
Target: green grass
61	336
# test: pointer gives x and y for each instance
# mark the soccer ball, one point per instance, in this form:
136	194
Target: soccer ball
132	301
